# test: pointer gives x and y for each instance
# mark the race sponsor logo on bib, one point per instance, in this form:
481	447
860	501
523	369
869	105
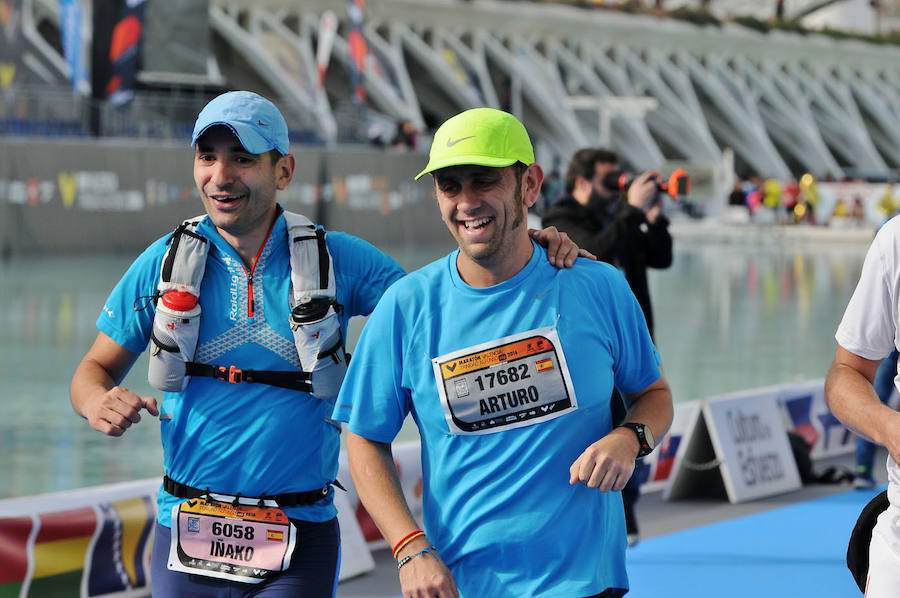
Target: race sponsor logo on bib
507	383
240	542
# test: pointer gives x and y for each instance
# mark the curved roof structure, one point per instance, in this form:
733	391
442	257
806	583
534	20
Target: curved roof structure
659	90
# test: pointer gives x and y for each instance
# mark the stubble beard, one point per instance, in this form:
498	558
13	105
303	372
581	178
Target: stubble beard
495	249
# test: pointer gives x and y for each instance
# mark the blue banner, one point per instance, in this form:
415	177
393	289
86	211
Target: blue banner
70	15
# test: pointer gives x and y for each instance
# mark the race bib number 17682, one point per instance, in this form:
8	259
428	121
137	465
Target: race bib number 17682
511	382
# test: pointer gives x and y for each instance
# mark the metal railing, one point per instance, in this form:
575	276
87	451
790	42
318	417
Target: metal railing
56	111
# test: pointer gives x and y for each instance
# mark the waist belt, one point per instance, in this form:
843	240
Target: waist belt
290	499
292	380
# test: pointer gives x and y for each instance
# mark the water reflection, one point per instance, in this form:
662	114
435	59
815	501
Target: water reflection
729	316
737	316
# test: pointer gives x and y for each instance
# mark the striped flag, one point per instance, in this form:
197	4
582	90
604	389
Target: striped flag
14	533
120	559
59	552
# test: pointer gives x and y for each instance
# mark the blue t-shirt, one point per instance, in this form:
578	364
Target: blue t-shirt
497	502
249	438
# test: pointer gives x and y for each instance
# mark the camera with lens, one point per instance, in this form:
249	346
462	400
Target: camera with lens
677	185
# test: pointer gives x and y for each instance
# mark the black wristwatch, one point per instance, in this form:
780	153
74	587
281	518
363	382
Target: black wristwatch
644	436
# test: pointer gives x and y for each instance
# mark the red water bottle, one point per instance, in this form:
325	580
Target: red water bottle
178	300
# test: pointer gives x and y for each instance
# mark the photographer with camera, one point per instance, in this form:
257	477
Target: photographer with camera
626	229
618	218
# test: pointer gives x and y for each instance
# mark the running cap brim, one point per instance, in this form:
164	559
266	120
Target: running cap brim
256	122
481	137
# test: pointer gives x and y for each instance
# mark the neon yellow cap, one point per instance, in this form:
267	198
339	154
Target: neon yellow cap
480	136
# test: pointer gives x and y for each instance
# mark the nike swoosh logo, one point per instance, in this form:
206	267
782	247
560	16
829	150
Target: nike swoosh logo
542	294
455	141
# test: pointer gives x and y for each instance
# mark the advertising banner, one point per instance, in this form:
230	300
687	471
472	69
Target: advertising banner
359	49
748	435
654	469
804	411
125	52
70	17
97	542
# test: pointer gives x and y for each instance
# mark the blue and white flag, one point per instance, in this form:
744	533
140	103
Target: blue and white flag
70	15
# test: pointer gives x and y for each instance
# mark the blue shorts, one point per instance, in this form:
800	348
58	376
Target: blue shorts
313	572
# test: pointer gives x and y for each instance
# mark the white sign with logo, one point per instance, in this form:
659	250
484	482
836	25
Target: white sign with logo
749	438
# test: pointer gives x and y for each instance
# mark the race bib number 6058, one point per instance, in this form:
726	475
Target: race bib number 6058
507	383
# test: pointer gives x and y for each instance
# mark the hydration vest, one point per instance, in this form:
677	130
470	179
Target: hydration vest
314	315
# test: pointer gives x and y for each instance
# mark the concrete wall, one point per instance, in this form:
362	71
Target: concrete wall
88	196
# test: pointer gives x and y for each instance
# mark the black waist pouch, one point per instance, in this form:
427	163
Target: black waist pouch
858	547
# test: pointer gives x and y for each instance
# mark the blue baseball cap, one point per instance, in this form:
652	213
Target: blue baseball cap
256	122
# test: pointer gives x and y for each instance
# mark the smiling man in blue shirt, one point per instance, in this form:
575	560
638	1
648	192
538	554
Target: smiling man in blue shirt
507	366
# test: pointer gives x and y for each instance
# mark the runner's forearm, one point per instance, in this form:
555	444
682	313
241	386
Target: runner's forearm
653	408
378	485
853	400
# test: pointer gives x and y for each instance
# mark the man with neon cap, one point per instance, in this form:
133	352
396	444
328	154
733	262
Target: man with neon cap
507	367
253	448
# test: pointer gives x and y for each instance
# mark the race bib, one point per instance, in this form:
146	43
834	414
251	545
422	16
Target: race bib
508	383
244	543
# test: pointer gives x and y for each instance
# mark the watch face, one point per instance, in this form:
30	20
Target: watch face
648	436
644	435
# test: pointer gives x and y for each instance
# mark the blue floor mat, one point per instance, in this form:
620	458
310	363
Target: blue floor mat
794	551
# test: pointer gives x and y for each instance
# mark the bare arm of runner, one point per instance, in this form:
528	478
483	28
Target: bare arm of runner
378	485
852	399
608	463
95	393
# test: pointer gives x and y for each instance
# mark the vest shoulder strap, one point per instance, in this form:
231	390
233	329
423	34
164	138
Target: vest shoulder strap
185	260
312	271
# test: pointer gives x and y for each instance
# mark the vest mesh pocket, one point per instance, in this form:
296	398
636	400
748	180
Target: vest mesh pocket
172	344
317	334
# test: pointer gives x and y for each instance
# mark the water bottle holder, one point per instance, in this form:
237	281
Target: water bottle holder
334	354
327	377
162	346
321	309
319	343
173	343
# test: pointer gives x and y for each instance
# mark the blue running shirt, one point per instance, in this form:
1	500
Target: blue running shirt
247	438
497	502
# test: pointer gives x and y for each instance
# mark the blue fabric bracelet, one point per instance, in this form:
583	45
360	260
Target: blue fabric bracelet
407	559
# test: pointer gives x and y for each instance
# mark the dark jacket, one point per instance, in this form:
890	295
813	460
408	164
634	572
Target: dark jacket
617	233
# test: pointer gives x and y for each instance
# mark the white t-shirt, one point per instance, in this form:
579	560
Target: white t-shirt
869	327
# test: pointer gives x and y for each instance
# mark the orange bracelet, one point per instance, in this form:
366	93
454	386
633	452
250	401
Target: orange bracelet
406	540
